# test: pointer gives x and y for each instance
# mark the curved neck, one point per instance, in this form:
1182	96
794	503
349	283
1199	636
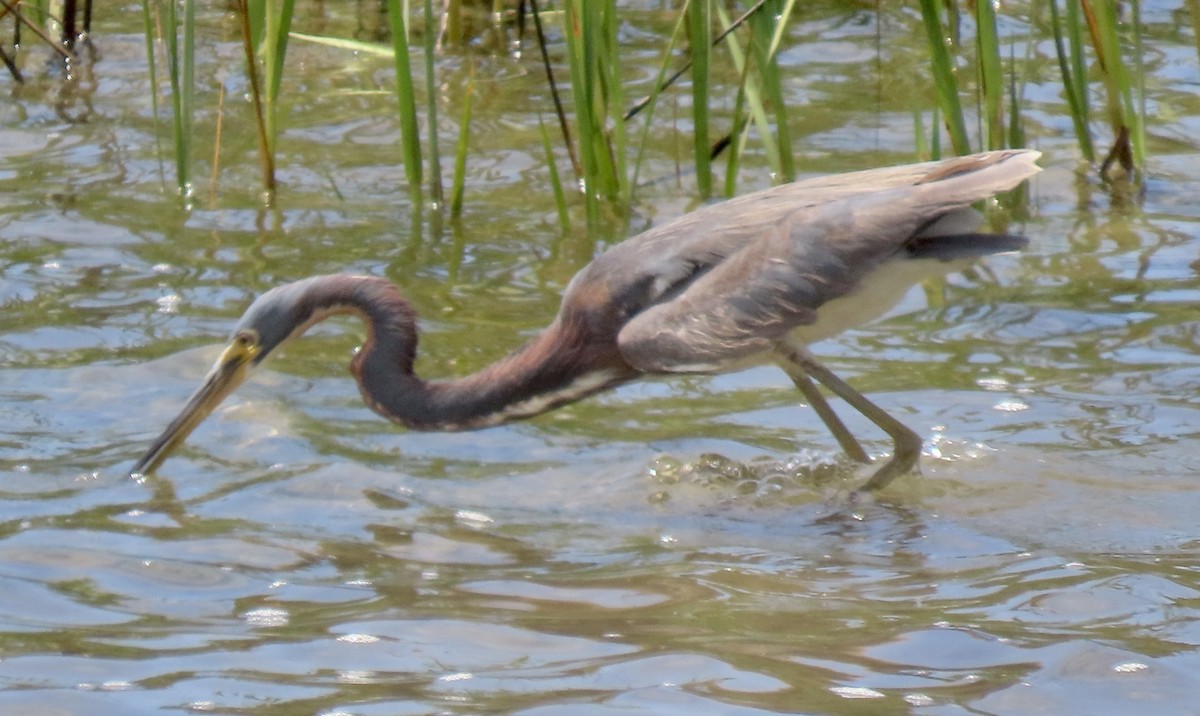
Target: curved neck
564	363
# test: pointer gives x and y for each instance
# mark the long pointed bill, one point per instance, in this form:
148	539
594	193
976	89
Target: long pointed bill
226	375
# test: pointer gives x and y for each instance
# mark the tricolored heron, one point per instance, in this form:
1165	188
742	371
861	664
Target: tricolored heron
752	279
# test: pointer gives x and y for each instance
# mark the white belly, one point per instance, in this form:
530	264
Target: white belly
877	293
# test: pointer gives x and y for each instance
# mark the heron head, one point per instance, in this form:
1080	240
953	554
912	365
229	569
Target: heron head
270	321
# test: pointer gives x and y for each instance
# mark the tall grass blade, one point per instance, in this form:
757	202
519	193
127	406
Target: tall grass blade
699	14
148	25
614	102
754	102
594	63
650	102
1016	129
252	14
187	103
944	76
453	24
768	27
991	82
563	125
560	196
1138	110
410	140
935	138
1067	33
273	49
920	144
737	136
1194	12
460	153
431	112
664	84
181	74
579	59
1123	114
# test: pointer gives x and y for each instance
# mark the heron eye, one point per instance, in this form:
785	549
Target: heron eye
246	339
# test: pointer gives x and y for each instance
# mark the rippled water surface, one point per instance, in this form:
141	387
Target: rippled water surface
677	546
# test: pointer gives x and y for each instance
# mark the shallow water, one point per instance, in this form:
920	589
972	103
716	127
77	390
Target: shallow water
675	546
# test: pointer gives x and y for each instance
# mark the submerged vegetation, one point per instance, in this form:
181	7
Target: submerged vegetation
719	59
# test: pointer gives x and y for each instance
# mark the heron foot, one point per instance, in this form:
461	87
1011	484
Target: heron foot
907	448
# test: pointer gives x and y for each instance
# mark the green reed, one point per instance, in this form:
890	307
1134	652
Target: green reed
945	79
1087	34
560	195
1125	116
149	25
1069	49
647	105
410	140
590	28
429	40
760	97
265	28
161	20
699	25
768	27
1095	23
608	162
593	62
458	183
991	75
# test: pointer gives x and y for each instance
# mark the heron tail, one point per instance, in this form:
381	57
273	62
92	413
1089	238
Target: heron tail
949	247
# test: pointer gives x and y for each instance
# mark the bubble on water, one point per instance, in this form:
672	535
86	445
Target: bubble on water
1130	667
994	384
168	303
1011	406
857	692
761	480
355	676
116	686
665	469
472	518
267	617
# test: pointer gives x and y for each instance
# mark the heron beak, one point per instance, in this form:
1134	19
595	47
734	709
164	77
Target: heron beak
226	375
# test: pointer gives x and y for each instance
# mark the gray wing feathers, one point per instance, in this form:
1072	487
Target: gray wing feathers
736	282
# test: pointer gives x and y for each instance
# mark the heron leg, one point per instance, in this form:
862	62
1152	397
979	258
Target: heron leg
812	394
906	444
